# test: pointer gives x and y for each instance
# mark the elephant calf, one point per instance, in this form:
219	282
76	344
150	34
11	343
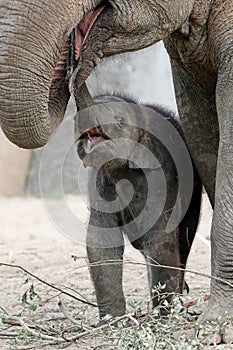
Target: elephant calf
133	189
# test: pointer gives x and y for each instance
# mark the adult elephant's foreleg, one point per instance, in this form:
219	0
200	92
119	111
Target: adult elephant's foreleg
221	302
199	122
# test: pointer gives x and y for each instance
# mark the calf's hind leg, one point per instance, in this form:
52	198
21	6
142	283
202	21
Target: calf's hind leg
161	248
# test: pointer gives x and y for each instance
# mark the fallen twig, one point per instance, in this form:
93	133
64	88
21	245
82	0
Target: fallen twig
133	320
19	322
38	346
97	329
134	262
75	291
8	335
4	310
47	283
129	262
204	240
13	321
70	318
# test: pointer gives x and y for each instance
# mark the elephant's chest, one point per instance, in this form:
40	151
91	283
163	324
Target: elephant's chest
143	208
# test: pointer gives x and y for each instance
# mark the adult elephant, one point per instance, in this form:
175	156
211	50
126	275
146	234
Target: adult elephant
198	35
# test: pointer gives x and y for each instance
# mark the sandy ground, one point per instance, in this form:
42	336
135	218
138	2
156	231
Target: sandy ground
28	238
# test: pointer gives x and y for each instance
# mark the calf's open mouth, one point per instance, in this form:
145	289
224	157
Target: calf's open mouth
93	136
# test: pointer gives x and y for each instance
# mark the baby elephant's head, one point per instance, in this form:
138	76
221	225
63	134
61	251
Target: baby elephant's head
111	134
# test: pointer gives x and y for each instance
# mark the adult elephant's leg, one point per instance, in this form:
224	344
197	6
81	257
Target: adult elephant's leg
199	122
106	271
221	302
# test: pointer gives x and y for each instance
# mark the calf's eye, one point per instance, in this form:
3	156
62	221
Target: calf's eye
119	119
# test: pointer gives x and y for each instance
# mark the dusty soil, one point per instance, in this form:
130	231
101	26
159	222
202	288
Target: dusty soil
29	239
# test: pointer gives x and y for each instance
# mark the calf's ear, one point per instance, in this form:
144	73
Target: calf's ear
143	158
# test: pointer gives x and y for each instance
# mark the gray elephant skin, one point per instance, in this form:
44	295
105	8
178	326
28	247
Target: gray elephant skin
106	149
34	41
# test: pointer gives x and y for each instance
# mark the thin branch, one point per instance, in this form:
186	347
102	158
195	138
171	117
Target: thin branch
39	346
204	240
63	310
50	298
20	322
117	262
47	283
75	291
134	320
97	329
14	321
103	346
4	310
8	335
5	329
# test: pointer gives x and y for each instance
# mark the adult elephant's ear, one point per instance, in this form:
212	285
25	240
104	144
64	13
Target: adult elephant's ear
143	158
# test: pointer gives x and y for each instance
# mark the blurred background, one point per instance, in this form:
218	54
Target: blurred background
145	75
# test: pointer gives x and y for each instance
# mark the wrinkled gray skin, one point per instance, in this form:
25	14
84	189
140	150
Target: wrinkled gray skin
198	37
105	230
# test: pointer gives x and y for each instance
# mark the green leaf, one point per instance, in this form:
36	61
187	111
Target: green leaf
24	298
32	307
26	281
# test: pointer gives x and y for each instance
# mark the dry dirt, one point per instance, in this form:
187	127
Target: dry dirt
29	239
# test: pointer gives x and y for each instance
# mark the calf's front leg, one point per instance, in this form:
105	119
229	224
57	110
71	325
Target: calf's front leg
106	271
